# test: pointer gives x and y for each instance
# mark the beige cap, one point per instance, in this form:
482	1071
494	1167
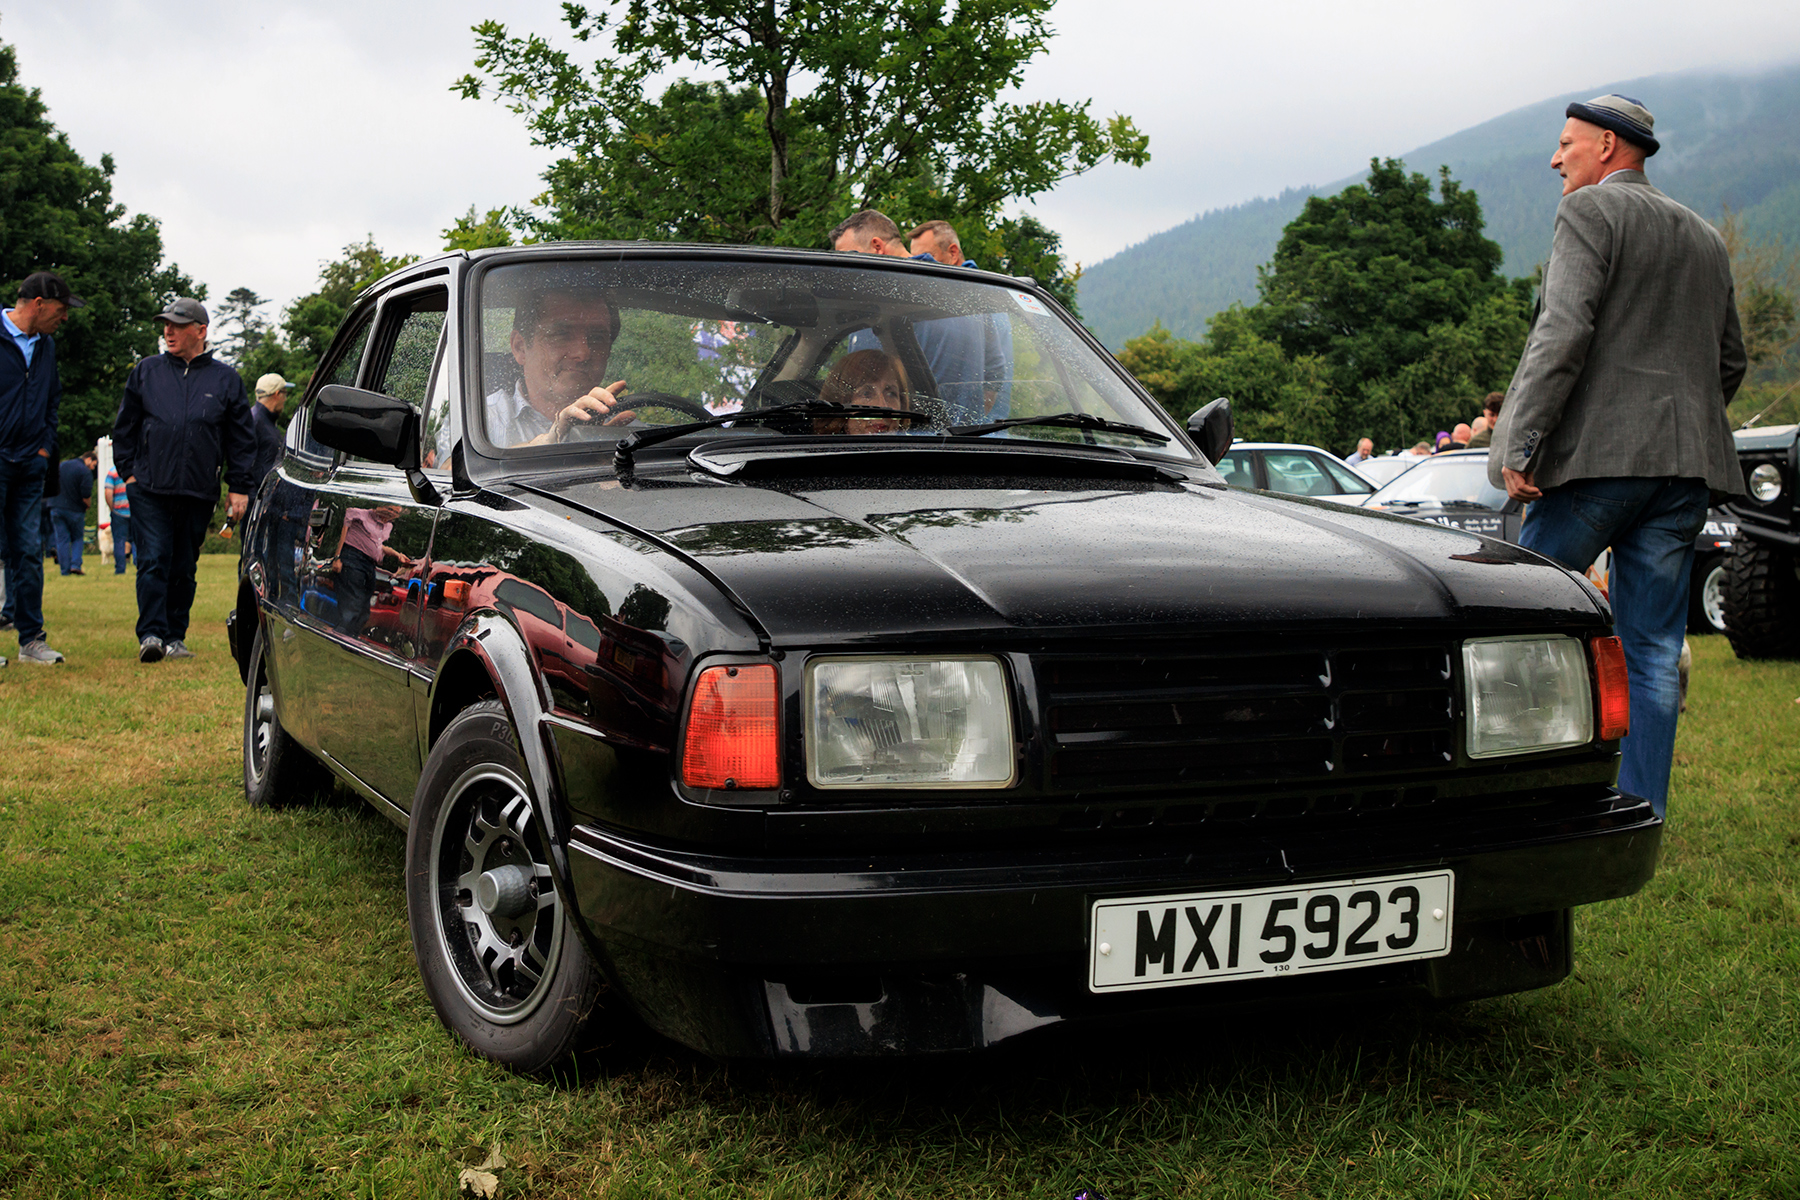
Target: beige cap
271	383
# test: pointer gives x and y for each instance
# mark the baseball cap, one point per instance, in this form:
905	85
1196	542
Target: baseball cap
183	310
271	383
47	285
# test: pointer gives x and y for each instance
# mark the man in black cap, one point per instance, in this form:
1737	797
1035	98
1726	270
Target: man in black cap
30	395
1614	427
184	413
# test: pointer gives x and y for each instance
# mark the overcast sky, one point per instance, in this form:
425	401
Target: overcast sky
266	135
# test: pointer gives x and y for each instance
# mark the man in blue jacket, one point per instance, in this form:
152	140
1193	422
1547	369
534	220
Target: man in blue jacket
183	416
30	394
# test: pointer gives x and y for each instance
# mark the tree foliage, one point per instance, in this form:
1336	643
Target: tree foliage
1382	315
894	104
1767	278
57	214
1400	296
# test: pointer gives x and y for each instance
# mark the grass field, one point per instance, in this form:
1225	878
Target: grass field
201	1000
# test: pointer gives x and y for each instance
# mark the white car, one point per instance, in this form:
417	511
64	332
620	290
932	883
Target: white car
1295	469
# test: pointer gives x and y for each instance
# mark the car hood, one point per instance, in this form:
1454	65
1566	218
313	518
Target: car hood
855	563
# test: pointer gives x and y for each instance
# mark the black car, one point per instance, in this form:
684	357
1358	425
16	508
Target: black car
1452	489
877	669
1762	589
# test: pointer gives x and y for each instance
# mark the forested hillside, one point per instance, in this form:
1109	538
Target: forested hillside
1727	140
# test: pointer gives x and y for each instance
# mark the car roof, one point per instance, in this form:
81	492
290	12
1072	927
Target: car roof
1284	446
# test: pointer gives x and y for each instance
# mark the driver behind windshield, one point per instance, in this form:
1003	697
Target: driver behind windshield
868	378
561	339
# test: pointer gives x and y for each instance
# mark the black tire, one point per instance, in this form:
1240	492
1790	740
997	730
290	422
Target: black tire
1706	596
1762	601
500	959
278	771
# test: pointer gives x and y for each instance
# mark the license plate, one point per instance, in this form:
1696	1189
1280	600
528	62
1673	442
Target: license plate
1171	941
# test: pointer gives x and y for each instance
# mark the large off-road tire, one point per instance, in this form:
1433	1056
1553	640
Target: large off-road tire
1762	600
500	959
278	771
1706	597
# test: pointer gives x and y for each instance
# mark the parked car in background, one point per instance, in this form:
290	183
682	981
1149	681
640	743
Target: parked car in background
1712	555
1295	470
1452	489
1387	468
1762	591
853	722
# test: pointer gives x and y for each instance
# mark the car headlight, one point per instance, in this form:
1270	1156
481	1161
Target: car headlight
1525	694
883	722
1765	482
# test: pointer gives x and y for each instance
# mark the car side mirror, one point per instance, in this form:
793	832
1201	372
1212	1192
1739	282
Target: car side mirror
375	427
1210	427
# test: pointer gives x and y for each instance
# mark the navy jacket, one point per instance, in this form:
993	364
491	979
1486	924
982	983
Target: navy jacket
268	442
176	424
29	399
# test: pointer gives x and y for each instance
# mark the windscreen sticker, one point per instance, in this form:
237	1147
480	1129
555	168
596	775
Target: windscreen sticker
1030	304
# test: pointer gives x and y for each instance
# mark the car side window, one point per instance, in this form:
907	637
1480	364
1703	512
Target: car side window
1236	470
412	333
1347	480
1296	474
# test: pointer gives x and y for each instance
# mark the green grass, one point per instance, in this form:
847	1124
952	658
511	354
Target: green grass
201	1000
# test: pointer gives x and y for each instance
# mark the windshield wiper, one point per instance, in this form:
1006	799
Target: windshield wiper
1068	420
631	443
1465	504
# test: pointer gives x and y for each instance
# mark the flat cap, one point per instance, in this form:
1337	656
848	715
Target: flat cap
1624	116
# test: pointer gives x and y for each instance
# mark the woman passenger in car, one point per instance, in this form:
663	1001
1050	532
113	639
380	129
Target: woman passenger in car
869	378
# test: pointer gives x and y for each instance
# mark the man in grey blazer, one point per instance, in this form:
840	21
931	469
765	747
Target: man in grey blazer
1614	426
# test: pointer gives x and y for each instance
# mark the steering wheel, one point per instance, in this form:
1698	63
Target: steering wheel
635	400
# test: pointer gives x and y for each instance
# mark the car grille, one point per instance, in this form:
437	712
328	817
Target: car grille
1287	718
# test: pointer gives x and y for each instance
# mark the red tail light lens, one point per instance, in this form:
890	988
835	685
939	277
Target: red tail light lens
732	737
1615	690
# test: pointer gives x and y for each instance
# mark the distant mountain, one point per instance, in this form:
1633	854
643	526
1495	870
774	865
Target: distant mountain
1727	140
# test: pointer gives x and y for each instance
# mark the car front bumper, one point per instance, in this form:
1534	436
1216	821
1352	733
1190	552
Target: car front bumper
917	953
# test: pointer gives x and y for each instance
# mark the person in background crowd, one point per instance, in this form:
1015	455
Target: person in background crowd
1614	427
183	416
1459	437
118	499
1365	450
1442	442
1490	415
271	396
1420	450
30	400
937	241
69	508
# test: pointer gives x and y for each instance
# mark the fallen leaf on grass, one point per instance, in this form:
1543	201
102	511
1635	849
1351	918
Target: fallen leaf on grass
478	1185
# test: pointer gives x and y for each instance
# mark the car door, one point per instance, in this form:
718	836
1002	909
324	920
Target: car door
374	541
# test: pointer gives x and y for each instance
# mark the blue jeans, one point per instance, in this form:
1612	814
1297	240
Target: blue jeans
71	531
1650	525
121	531
21	530
169	531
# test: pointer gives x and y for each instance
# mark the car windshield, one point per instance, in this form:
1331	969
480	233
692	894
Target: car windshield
694	340
1441	480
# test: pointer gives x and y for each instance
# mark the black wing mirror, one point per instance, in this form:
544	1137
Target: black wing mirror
375	427
1210	427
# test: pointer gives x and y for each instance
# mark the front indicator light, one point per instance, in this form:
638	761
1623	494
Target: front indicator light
732	731
1614	687
1526	694
908	723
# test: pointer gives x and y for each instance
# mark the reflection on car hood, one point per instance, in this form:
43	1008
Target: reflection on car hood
854	563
